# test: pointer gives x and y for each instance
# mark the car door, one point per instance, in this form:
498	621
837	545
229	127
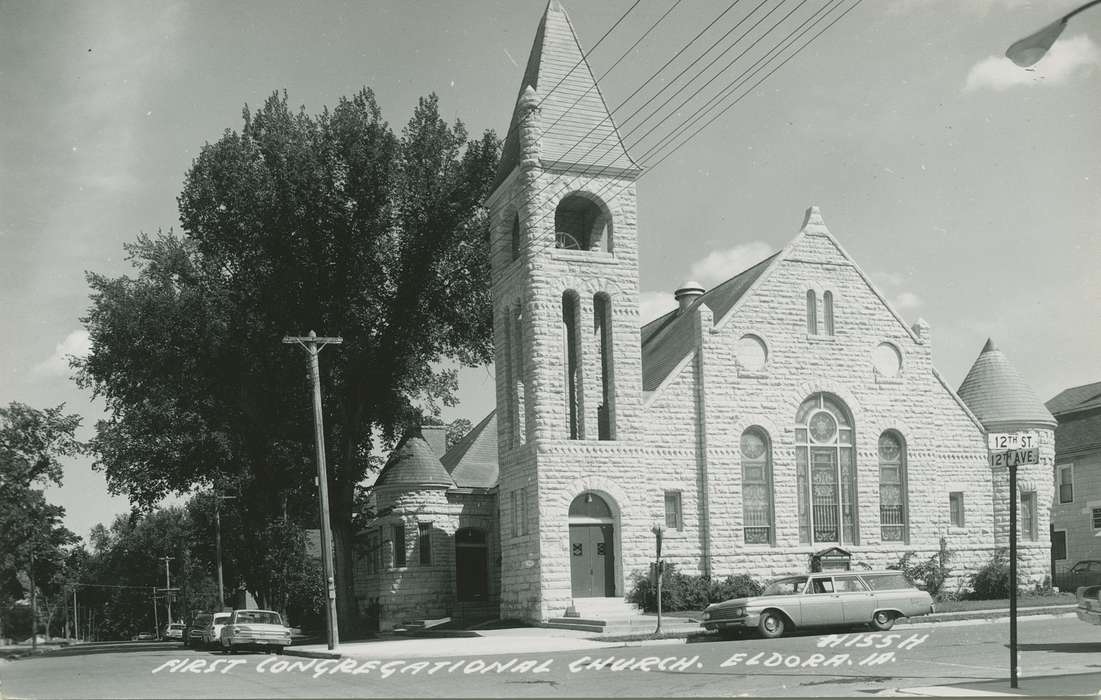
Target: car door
820	605
857	602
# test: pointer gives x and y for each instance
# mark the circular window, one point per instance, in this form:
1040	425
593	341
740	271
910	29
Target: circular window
887	360
753	445
888	447
823	426
751	352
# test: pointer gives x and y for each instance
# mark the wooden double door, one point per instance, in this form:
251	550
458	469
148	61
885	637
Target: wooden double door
592	560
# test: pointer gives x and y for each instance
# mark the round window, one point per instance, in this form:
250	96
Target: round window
823	426
753	445
887	360
752	353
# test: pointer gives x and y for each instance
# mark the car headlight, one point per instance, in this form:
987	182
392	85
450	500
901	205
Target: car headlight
706	615
738	612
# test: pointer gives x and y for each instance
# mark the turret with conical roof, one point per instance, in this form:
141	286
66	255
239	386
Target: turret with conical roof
998	395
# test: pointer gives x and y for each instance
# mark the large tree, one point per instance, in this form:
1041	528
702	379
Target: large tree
32	538
298	222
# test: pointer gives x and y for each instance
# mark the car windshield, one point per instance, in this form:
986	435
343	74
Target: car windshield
786	586
260	617
175	626
887	582
221	618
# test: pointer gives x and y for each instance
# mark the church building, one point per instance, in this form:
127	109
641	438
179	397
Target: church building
786	411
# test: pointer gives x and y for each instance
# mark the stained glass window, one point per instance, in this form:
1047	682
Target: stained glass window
756	487
892	487
826	472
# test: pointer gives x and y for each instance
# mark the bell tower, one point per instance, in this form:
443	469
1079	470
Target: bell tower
564	261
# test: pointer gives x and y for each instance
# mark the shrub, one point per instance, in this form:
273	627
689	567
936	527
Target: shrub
931	573
686	592
991	582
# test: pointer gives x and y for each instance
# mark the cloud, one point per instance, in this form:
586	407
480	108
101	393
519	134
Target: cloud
654	304
890	285
721	265
1067	59
977	7
907	300
76	344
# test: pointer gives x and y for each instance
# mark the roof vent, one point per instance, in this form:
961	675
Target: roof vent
688	293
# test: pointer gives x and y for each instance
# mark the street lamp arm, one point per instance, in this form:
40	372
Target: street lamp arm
1025	52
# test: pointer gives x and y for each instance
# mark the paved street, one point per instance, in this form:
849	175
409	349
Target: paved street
856	664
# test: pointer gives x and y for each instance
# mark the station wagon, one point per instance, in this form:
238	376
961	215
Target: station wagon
875	598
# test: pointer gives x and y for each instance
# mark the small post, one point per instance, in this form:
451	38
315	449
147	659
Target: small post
156	618
658	530
34	605
167	589
1012	573
313	344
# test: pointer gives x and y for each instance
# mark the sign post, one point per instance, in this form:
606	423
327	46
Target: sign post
1013	449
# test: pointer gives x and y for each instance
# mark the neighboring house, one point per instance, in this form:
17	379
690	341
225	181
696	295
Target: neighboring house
1076	511
787	411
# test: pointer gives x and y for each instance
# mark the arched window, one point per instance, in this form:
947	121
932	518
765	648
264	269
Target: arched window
571	313
824	460
892	487
602	327
812	313
516	237
757	487
827	311
514	337
582	223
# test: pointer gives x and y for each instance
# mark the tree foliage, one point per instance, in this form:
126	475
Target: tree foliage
328	222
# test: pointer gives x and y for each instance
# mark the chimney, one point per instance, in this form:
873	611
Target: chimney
688	293
436	437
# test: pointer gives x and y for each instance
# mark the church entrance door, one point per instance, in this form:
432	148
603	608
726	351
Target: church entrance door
471	565
592	561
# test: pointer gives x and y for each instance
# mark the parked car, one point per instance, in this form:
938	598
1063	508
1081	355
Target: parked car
875	598
173	631
1090	569
256	629
193	633
1089	604
212	633
142	637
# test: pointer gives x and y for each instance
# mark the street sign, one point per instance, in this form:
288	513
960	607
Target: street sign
1012	441
1013	458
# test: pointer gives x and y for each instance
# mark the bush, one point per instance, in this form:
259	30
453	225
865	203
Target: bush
991	582
686	592
932	573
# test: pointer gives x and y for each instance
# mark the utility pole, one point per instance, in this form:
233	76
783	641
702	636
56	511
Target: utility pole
156	619
313	344
76	617
218	545
168	588
34	604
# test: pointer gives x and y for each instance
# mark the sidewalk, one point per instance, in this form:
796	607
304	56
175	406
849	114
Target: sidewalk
540	639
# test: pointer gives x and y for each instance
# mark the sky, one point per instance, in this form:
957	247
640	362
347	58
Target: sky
966	187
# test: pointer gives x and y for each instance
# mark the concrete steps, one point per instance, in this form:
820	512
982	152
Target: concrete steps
597	615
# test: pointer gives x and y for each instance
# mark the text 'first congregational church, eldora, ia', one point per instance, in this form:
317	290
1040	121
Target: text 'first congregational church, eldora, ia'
787	410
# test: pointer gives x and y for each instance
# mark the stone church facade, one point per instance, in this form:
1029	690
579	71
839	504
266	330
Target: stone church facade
785	411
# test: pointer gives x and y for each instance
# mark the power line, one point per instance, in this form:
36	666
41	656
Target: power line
588	173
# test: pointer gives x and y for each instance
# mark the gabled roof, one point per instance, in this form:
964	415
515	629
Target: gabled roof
1078	433
998	395
667	340
1076	398
577	128
472	461
412	463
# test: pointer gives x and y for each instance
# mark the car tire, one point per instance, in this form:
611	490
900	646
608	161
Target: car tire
883	620
772	624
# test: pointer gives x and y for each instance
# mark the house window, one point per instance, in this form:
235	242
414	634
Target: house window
1059	545
1066	483
523	511
1028	516
955	507
673	516
1097	518
826	468
399	546
892	487
812	312
756	451
374	553
424	542
827	311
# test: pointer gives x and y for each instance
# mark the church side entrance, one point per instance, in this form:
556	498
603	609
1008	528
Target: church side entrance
471	565
592	547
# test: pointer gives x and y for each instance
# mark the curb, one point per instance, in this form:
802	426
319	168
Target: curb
291	651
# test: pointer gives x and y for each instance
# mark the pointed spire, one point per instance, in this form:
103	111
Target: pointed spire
813	221
413	463
998	395
577	126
